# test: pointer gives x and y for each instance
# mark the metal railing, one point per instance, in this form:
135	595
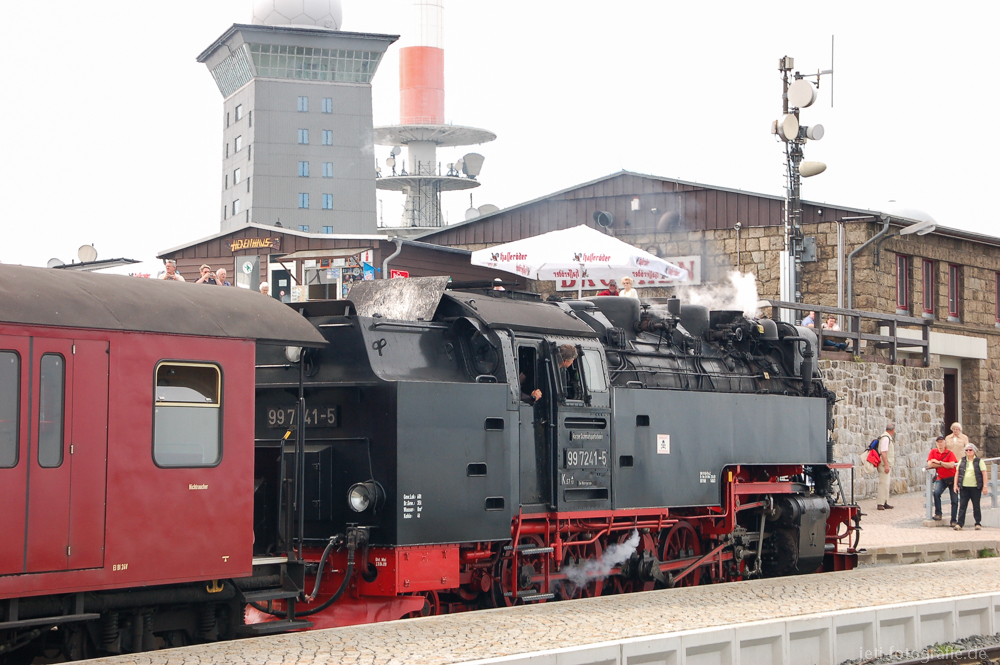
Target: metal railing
994	464
892	341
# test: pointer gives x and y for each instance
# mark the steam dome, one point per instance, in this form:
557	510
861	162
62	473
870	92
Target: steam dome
326	14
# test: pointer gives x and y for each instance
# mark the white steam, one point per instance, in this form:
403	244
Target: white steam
737	292
591	569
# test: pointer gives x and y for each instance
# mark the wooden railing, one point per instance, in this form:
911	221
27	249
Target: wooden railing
853	335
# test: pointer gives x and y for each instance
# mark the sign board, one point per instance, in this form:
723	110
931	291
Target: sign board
393	274
641	278
241	244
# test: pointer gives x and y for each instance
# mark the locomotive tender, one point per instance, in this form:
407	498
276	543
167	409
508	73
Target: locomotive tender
151	499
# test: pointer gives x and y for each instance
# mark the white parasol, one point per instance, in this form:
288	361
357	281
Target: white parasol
576	253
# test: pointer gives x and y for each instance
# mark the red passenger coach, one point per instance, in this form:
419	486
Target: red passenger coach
126	452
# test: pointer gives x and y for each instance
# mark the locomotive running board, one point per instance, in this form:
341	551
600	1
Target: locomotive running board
272	627
46	621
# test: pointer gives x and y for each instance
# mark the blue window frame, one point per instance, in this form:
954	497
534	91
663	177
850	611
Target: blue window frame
328	202
303	169
303	200
327	137
304	227
327	229
328	105
304	137
327	169
303	104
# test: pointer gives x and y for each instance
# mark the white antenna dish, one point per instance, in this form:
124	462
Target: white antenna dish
460	164
472	164
488	209
801	94
815	132
788	128
390	162
809	169
395	150
471	213
86	253
55	263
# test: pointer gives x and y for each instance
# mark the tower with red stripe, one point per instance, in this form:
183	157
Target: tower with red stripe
422	129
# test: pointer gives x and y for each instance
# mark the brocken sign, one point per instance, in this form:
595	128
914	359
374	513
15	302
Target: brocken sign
641	277
255	243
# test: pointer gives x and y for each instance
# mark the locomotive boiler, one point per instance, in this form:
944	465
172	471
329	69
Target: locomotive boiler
441	453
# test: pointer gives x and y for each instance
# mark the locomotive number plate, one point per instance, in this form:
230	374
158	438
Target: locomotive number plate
583	458
317	416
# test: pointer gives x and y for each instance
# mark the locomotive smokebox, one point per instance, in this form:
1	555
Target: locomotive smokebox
723	317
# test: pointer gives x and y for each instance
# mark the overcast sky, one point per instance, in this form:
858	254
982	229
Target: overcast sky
112	132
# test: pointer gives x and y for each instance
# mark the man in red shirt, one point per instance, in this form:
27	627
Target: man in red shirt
944	461
612	289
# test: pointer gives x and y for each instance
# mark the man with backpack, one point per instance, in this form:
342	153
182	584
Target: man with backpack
887	452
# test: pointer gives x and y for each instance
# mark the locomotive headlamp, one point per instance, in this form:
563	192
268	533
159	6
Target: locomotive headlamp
363	496
293	353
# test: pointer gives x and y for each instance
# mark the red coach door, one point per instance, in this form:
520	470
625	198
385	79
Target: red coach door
15	361
68	448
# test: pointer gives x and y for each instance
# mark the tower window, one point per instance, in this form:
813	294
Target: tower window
236	207
304	227
327	137
328	105
327	169
239	112
303	169
329	229
238	143
328	202
303	104
304	137
236	176
303	200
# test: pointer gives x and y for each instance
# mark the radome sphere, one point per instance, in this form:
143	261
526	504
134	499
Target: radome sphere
326	14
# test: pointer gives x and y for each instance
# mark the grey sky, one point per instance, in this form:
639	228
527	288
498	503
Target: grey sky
103	102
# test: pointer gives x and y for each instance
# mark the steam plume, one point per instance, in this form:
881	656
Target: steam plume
737	292
591	569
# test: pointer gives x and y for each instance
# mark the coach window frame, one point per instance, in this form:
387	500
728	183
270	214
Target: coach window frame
16	415
58	443
219	405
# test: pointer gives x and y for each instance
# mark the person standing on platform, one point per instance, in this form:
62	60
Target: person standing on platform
171	274
627	290
956	441
887	451
944	462
971	482
220	277
612	289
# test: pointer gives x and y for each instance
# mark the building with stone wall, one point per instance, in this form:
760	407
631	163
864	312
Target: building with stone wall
696	225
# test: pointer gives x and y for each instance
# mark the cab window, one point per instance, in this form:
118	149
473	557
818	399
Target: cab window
593	371
187	417
10	382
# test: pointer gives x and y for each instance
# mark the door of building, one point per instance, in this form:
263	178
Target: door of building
67	453
950	399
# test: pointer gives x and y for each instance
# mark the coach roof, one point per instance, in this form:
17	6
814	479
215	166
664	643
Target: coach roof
44	297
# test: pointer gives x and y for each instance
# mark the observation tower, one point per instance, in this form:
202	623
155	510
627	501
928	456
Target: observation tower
421	129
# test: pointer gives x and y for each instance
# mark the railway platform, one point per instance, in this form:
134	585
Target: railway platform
813	618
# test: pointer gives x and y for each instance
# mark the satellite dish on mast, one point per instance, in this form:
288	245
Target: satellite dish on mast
86	253
395	150
788	128
809	169
487	209
55	263
471	213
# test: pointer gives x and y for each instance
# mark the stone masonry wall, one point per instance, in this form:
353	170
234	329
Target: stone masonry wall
869	396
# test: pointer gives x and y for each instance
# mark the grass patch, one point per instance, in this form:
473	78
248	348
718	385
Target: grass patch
987	553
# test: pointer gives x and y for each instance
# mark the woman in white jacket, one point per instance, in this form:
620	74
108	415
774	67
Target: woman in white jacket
627	290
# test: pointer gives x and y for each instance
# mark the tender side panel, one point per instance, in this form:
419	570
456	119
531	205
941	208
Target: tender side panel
671	446
455	444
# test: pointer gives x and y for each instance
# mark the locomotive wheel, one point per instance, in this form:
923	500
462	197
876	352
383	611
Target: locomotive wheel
432	605
578	556
682	542
646	544
506	578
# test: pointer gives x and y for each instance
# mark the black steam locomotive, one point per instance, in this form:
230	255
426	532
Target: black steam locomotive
456	449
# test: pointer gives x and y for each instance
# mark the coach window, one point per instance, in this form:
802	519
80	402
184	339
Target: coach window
51	398
10	384
187	420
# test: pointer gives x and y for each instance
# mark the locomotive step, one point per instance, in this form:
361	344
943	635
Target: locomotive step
45	621
531	597
263	595
279	626
523	549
